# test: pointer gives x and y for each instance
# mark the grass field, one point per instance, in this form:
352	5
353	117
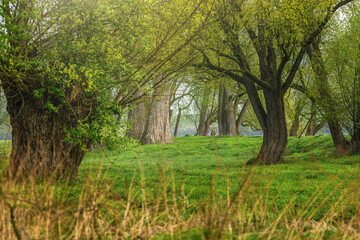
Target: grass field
195	188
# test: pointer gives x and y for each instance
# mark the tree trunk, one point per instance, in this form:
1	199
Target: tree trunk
231	116
138	118
310	131
221	123
319	126
157	129
296	121
241	117
202	128
38	146
273	123
213	131
226	114
177	123
327	103
355	138
295	126
275	133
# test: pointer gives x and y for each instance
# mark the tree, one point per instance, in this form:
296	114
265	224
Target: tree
342	75
326	101
170	33
54	82
157	129
205	104
280	32
68	67
182	99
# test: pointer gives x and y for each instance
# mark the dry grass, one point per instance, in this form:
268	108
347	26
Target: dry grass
93	210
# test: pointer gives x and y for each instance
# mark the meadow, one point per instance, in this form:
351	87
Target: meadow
195	188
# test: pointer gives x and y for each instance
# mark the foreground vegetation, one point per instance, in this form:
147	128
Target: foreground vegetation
195	188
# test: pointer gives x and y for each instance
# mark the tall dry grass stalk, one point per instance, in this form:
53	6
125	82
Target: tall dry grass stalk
95	209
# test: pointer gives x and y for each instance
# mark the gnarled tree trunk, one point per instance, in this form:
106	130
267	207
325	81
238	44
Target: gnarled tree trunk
38	146
275	131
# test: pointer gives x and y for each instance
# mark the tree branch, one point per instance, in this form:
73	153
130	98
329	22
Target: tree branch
307	43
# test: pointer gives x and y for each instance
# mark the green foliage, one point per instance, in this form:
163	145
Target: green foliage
73	58
343	64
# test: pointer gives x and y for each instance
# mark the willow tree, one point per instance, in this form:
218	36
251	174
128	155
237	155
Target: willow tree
344	68
61	62
279	32
336	68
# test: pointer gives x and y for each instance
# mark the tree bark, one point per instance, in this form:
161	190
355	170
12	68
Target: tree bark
203	130
220	117
138	117
226	114
275	132
177	123
319	126
241	117
296	120
310	131
38	146
213	131
355	138
157	128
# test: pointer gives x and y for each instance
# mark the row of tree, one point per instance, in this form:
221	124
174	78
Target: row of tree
78	72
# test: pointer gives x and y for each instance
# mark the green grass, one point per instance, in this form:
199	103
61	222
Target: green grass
202	175
310	162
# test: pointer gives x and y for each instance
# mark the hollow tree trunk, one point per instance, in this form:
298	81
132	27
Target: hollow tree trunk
275	131
327	103
38	146
157	128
